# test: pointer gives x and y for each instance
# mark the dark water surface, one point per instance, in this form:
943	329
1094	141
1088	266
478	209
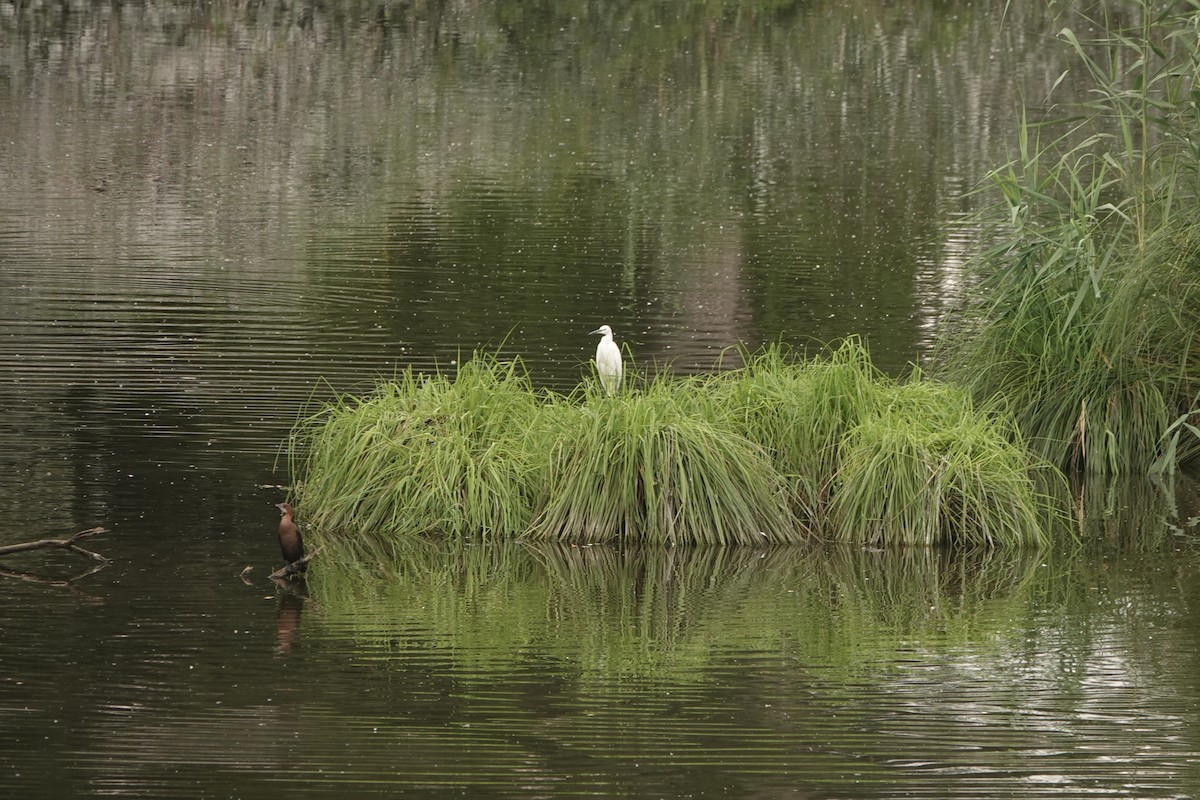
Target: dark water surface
212	213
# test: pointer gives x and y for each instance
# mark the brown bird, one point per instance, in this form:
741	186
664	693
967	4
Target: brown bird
290	542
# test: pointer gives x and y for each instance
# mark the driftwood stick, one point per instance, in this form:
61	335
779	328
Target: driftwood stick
65	544
92	554
294	567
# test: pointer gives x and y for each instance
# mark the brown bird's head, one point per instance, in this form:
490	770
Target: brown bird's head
286	508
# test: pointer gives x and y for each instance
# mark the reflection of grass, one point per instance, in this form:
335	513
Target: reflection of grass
677	612
750	456
1136	513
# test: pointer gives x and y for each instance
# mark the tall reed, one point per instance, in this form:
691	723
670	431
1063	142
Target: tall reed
1083	318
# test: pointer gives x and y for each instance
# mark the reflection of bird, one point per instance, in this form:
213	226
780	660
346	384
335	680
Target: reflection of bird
608	359
287	621
290	542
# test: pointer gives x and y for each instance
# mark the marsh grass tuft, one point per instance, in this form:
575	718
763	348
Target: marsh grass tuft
652	466
799	410
776	451
424	454
927	468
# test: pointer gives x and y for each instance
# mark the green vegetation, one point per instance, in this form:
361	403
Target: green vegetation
767	453
1080	341
649	465
801	412
1085	318
425	454
927	468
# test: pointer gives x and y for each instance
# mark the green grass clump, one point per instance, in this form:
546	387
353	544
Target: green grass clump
799	411
927	468
424	454
648	466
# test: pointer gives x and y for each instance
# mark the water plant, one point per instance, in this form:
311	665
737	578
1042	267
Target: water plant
777	451
799	410
926	467
652	466
1083	320
423	454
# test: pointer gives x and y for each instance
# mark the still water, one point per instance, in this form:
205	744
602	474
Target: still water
213	215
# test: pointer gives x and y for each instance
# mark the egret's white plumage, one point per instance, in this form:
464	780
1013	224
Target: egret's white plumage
608	359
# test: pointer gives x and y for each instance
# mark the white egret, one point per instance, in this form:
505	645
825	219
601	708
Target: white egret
608	359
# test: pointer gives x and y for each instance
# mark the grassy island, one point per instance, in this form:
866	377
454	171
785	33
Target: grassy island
781	450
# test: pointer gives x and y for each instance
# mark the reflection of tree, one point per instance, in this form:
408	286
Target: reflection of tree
68	583
586	146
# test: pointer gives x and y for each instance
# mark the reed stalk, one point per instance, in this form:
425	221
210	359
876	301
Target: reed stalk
1083	318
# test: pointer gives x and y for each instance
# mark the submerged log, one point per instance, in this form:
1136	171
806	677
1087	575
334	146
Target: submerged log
64	544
